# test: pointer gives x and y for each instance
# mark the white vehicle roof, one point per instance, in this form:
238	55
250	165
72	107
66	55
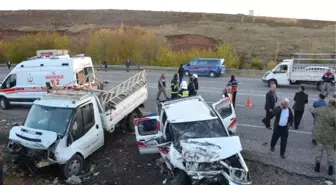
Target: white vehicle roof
188	109
64	100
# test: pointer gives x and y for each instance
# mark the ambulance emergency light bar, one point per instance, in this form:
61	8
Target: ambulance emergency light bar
51	52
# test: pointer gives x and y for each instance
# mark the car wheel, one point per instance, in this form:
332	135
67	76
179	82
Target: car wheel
272	82
130	121
212	74
4	104
181	178
319	86
187	73
74	166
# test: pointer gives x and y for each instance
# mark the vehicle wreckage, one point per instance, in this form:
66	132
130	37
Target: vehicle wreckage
197	147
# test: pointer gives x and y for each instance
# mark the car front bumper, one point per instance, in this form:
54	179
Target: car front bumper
213	177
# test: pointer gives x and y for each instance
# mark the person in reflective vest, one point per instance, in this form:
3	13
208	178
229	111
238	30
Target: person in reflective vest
234	83
174	87
184	90
195	81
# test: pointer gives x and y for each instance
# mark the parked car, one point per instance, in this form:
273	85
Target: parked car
205	67
196	148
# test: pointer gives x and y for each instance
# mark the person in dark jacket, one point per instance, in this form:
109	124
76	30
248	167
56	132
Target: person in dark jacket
283	120
127	63
328	78
300	98
105	65
271	99
181	73
234	89
195	80
48	87
191	87
174	87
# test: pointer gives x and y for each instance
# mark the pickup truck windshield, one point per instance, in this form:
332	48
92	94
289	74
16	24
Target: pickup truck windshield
53	119
198	129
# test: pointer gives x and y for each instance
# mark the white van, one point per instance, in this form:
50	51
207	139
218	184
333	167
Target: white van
27	81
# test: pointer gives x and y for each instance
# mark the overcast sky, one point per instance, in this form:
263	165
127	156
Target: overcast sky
309	9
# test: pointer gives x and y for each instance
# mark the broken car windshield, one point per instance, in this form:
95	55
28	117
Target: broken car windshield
53	119
197	129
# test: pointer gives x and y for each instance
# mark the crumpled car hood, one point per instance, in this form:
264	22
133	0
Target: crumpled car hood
32	138
210	149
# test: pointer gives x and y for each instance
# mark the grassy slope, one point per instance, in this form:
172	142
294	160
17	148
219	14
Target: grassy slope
250	35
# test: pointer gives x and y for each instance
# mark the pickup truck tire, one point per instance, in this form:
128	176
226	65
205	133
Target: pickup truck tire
181	178
130	120
4	103
73	167
187	73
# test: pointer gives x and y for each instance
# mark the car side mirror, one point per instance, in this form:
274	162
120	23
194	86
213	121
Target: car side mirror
69	139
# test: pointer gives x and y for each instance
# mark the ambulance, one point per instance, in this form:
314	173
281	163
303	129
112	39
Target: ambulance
27	81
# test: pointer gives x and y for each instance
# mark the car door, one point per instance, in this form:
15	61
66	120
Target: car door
148	134
281	74
86	132
226	112
193	67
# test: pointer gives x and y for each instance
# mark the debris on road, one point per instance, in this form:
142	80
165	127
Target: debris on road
73	180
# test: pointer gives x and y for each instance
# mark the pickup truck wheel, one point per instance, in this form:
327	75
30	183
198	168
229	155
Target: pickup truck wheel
130	120
319	86
187	73
4	104
181	178
74	166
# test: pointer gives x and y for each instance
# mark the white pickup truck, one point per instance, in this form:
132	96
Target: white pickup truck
196	147
65	127
304	68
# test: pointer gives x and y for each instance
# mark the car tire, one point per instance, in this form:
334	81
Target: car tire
130	120
319	86
4	103
73	166
272	81
212	74
181	178
187	73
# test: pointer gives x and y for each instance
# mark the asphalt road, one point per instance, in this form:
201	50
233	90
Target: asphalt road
300	154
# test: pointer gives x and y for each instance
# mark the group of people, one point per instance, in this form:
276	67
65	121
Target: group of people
179	87
324	129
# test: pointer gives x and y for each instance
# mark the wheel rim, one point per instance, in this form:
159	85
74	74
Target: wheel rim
2	103
74	167
212	74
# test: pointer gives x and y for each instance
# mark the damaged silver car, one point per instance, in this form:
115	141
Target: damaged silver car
194	143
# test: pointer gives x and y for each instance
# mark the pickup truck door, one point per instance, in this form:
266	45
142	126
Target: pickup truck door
148	134
226	112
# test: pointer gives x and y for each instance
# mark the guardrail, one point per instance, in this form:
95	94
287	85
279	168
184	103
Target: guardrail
238	72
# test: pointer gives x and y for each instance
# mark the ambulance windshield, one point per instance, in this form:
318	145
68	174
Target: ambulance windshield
53	119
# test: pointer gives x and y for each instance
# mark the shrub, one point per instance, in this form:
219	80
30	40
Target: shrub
271	64
225	51
256	63
26	45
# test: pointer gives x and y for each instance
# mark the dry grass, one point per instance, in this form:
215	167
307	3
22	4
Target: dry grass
254	36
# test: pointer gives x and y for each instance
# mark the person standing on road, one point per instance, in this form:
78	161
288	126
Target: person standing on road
48	87
319	103
128	63
191	87
283	120
184	90
325	133
162	87
300	98
181	73
234	89
328	78
195	81
271	99
9	64
105	65
174	87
